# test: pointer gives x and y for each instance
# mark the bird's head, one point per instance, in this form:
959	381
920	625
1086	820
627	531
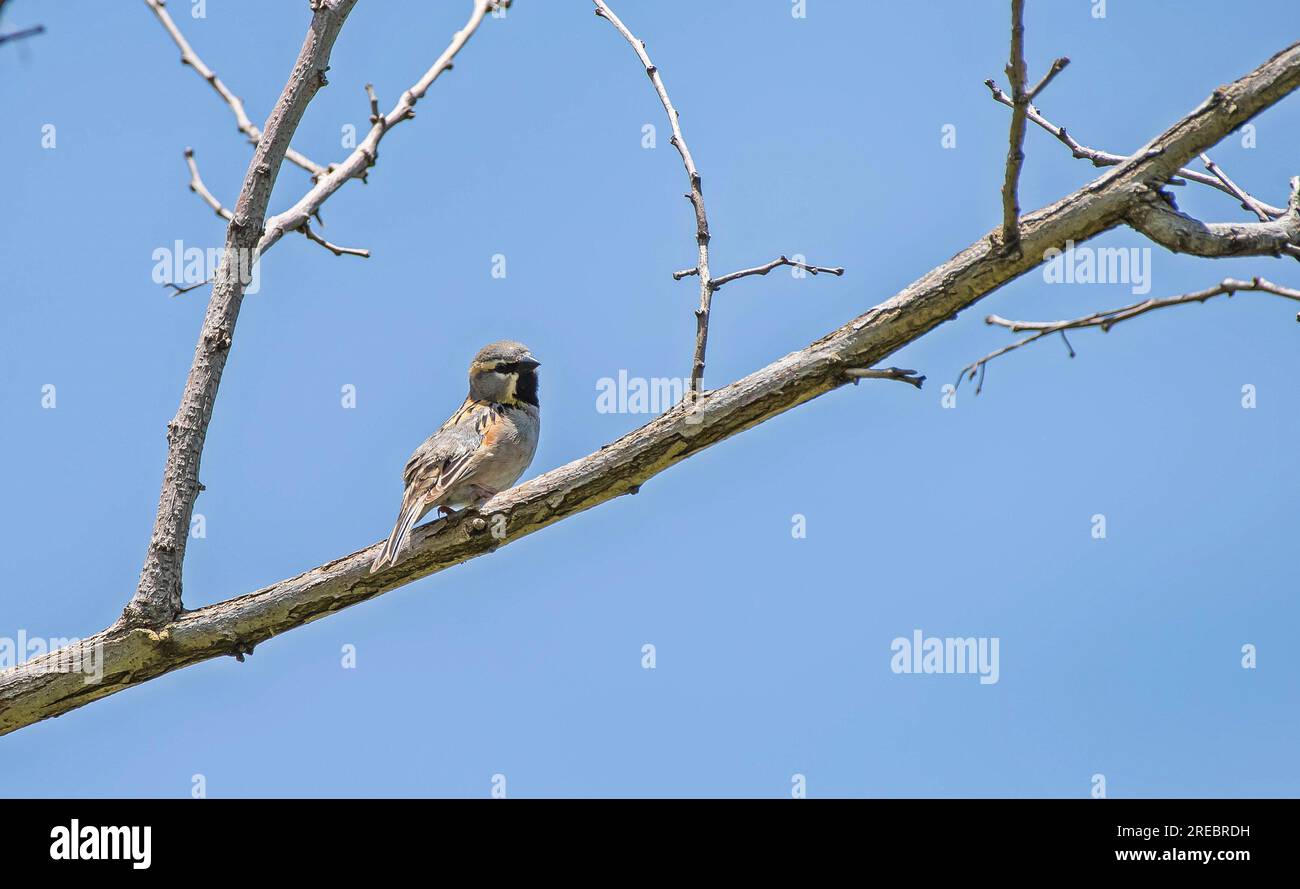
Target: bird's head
504	372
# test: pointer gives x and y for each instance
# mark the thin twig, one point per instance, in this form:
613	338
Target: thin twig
708	284
1100	158
1015	152
197	186
911	377
191	58
177	289
763	270
336	250
1247	202
696	196
365	154
1057	67
25	32
1105	320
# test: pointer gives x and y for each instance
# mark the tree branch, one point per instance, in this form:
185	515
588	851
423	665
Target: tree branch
1058	66
911	377
1105	320
1015	152
1155	216
24	32
696	196
197	186
366	154
38	690
1107	159
157	598
763	270
1247	202
333	248
191	58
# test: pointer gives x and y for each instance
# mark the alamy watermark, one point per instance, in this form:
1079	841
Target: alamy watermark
639	395
64	655
186	267
1099	265
947	654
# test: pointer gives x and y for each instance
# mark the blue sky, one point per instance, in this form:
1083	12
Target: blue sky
822	136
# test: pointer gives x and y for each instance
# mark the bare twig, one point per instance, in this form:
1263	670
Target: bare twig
191	58
178	290
763	270
1057	67
1105	320
696	196
364	156
336	250
1247	202
1015	151
708	284
20	34
197	186
911	377
1107	159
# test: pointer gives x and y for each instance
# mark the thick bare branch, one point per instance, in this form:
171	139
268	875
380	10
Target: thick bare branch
191	58
35	691
1154	215
1105	320
157	598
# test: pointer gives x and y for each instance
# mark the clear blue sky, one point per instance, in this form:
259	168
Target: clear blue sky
820	136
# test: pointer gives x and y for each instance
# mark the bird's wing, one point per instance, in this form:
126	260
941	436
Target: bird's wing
437	466
450	453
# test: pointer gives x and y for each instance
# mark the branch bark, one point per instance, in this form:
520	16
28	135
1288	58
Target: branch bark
1016	150
35	691
157	598
1155	216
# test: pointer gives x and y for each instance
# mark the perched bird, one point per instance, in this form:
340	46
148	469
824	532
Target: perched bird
482	449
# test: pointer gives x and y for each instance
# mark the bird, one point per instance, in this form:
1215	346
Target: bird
482	449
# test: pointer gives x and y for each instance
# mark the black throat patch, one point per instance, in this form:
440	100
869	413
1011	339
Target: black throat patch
526	388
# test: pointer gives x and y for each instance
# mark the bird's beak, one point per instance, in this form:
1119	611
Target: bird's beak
528	362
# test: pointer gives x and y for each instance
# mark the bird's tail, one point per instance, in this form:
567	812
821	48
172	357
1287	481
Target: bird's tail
410	514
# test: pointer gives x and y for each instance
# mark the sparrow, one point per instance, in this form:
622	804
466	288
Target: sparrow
483	447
